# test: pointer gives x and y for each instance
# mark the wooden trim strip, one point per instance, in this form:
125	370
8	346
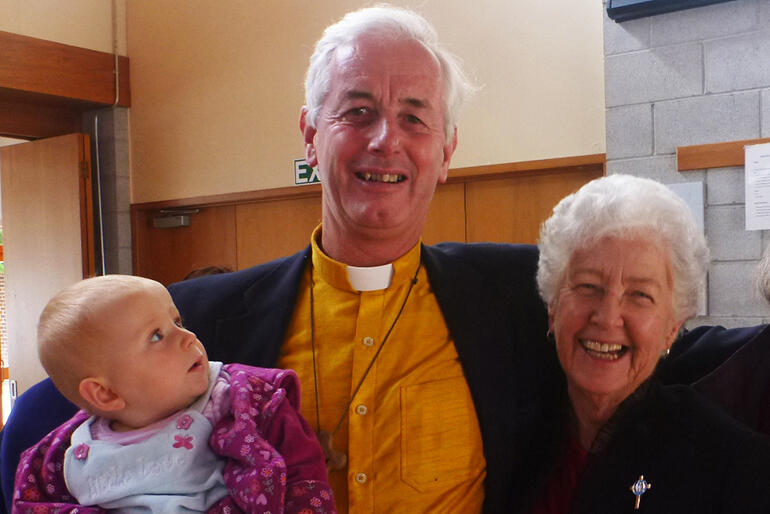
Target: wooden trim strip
495	171
468	174
57	70
714	155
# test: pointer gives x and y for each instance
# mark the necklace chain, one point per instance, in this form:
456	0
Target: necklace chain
371	363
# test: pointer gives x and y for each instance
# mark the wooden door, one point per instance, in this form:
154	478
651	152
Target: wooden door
47	235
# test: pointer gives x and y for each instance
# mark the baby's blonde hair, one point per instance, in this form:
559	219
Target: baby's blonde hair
67	333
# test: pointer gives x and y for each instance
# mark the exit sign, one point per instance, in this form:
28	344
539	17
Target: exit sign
304	173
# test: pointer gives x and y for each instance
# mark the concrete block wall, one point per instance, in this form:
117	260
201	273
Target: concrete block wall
691	77
111	146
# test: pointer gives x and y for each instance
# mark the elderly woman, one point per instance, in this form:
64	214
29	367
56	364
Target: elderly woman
622	267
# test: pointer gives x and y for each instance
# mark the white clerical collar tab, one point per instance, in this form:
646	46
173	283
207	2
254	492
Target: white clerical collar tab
371	278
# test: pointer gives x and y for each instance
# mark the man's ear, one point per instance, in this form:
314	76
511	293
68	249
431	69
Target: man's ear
308	135
99	396
449	150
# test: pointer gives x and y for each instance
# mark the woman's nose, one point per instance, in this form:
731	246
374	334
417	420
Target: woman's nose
609	311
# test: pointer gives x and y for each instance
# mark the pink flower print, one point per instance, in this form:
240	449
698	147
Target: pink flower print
50	489
315	502
283	478
184	422
81	451
267	472
183	442
40	509
245	450
325	495
31	495
261	500
305	511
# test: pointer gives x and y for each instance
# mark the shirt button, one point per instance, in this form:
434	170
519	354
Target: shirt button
361	478
368	341
362	410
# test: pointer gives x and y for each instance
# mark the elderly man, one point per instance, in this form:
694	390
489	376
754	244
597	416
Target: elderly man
422	367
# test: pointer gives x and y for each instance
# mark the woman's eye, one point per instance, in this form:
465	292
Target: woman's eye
178	322
642	295
156	336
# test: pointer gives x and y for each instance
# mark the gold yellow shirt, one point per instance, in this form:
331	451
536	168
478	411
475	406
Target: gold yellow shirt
411	433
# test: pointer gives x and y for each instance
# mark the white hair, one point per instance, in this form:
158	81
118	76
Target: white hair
626	206
393	22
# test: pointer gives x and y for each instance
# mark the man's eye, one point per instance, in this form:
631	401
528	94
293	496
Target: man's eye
156	336
358	112
411	118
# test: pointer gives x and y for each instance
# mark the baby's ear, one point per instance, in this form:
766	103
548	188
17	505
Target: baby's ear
99	395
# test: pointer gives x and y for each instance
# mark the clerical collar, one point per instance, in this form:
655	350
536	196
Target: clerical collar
370	279
356	278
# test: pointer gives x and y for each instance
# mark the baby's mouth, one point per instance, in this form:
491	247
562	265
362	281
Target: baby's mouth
604	351
388	178
197	364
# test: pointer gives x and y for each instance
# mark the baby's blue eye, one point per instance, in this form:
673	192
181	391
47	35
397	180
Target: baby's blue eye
156	336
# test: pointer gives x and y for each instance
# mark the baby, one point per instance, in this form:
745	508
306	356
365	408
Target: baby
162	429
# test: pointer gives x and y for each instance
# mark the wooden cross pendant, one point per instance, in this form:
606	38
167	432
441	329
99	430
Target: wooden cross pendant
334	460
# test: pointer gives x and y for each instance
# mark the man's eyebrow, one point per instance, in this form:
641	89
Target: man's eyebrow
355	94
415	102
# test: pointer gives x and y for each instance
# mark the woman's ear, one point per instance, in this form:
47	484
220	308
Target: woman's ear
99	396
671	337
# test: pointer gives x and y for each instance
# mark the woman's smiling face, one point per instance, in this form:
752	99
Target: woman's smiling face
614	315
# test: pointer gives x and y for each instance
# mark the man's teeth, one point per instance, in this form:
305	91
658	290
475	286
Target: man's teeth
603	350
391	178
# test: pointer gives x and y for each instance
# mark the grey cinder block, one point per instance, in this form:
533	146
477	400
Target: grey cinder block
627	36
725	186
660	168
732	290
727	235
705	119
702	23
741	62
656	74
629	131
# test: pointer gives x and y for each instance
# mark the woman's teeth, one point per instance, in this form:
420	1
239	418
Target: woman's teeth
603	350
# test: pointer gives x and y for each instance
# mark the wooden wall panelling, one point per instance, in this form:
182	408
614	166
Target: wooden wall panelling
268	230
168	254
714	155
511	209
446	217
497	203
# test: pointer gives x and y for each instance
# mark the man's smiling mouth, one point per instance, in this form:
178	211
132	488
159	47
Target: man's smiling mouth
388	178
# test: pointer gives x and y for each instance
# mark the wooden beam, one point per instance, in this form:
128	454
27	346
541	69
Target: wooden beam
714	155
456	175
38	67
32	121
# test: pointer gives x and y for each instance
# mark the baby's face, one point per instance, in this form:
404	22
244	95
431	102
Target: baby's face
158	366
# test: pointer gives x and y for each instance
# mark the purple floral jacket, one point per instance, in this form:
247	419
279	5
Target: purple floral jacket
274	463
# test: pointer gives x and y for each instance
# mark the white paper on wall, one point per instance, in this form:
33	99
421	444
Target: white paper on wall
757	170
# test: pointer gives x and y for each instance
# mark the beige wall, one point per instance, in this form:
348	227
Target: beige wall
84	23
217	86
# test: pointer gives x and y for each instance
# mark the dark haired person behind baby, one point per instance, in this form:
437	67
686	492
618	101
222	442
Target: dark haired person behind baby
162	429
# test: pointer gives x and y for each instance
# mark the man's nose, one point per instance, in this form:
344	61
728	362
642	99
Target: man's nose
385	136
